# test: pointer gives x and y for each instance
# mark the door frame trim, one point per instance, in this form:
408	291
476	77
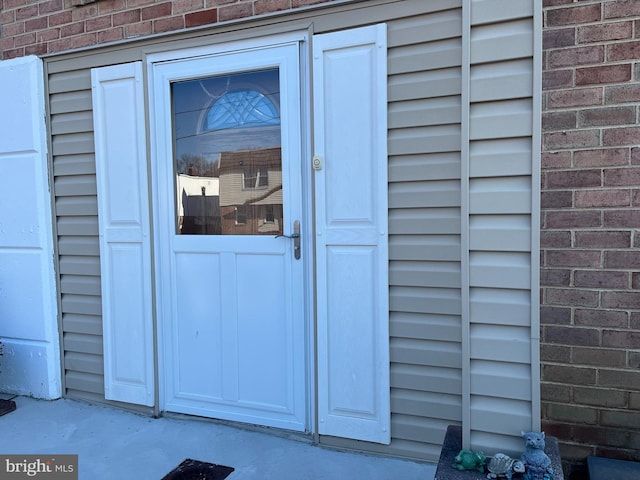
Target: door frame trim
301	38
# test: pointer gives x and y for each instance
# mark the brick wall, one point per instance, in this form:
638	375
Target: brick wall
31	27
590	272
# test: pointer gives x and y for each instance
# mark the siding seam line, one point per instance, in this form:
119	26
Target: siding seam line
55	254
465	121
536	148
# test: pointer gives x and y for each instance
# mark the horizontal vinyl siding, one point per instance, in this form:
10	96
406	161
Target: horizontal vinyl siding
424	170
76	211
425	211
500	223
424	220
424	225
77	227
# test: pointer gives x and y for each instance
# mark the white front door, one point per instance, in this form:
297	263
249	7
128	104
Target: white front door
226	161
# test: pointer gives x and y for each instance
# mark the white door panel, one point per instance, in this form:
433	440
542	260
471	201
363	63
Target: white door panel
228	183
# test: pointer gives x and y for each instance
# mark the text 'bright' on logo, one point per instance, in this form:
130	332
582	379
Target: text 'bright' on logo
51	467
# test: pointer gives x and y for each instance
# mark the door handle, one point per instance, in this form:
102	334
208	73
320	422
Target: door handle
295	236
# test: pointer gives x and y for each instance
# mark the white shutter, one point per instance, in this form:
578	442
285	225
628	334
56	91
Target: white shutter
125	253
350	141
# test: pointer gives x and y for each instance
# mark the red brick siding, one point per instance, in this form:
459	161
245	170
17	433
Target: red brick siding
590	272
41	27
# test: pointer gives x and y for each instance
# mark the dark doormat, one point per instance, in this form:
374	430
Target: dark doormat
7	406
601	468
196	470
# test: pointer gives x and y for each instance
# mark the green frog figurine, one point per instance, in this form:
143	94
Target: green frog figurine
469	460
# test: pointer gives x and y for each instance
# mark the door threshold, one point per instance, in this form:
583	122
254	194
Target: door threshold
304	437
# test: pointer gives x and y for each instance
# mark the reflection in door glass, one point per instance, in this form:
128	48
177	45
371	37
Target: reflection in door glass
227	154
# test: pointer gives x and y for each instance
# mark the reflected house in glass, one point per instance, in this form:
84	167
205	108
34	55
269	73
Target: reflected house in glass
251	192
198	203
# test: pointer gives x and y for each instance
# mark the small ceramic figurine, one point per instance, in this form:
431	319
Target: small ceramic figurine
502	465
469	460
537	463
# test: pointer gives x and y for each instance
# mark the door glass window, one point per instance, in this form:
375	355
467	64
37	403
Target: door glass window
227	154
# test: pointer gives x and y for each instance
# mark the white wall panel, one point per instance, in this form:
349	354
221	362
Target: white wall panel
28	305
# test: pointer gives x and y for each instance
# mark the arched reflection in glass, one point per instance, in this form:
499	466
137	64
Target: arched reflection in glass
240	109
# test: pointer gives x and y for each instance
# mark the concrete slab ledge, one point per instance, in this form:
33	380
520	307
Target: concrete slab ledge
453	444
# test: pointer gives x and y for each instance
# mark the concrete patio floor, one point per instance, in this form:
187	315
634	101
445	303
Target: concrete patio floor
114	444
